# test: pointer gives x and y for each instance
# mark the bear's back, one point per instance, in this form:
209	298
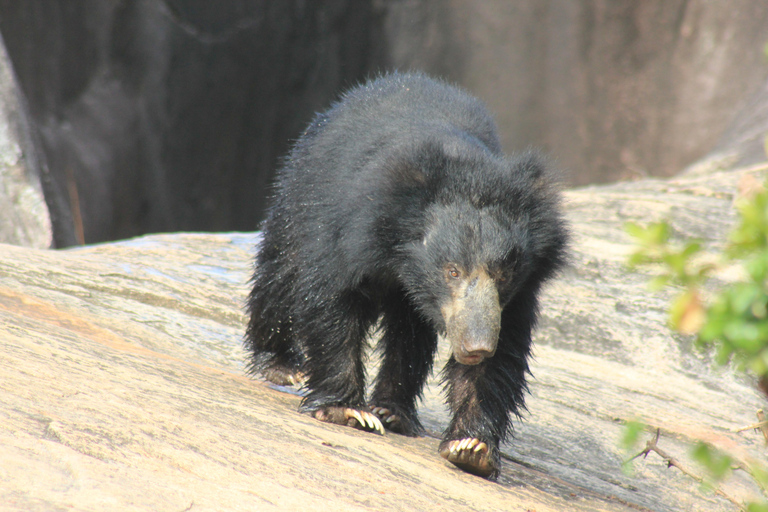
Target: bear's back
348	150
409	107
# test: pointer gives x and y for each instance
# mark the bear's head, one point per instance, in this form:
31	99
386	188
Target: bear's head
464	270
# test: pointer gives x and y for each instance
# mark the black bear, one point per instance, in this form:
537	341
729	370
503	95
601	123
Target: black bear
396	208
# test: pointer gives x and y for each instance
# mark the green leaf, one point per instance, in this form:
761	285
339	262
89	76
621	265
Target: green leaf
631	434
659	282
655	234
760	473
711	330
759	309
759	363
757	506
687	314
757	266
691	248
639	258
634	230
744	336
723	354
715	462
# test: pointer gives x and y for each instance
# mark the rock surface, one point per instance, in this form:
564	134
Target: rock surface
122	385
25	219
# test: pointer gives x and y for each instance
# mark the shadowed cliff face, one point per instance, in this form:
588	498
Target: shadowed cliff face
122	381
171	115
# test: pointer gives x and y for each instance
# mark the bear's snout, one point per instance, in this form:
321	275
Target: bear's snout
473	319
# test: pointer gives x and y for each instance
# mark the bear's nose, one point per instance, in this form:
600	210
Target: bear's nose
484	353
473	357
481	334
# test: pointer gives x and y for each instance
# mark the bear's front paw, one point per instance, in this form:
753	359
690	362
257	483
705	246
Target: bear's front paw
398	420
361	420
471	455
389	419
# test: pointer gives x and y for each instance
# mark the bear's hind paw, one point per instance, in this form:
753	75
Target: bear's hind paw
282	375
471	455
361	420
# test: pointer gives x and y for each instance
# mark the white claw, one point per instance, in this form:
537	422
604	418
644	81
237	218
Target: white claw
366	420
481	446
472	443
358	417
379	426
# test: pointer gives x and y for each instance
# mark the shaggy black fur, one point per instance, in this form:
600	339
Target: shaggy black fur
397	205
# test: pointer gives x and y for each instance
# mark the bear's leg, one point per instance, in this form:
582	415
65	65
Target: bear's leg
335	339
275	355
282	367
483	397
408	347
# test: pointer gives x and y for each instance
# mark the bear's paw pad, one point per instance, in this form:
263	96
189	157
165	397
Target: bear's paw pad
469	454
361	420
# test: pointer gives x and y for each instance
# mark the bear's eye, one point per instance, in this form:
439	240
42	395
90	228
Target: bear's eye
503	276
454	272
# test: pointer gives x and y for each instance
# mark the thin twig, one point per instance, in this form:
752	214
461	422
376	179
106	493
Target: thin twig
763	424
652	446
754	426
74	204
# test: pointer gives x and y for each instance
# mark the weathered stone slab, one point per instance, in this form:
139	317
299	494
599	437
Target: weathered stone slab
122	385
25	219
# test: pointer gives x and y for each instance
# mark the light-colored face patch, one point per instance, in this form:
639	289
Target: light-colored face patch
472	314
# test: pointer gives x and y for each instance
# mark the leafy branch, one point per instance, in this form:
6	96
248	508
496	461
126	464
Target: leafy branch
732	319
735	322
720	463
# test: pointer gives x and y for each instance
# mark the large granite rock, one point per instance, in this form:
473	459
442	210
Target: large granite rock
122	385
171	115
25	219
615	90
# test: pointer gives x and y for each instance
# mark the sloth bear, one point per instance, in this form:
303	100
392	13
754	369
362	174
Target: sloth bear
397	209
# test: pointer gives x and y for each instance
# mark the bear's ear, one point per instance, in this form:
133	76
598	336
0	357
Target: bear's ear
406	171
536	169
415	165
530	164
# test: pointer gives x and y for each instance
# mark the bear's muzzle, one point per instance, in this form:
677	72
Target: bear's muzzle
473	319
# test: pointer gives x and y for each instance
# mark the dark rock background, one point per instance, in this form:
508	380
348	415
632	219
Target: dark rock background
172	115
